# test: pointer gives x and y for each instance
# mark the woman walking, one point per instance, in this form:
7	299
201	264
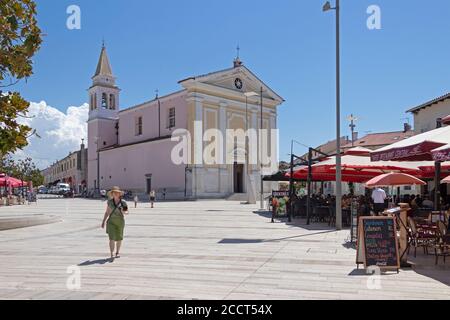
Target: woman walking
152	197
114	220
136	199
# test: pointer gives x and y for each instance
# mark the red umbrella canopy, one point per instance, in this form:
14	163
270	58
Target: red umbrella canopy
446	180
346	176
358	151
354	169
442	153
394	179
13	182
415	148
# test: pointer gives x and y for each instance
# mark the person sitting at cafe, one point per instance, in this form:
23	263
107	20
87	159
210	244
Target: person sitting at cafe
414	206
364	206
346	202
418	199
427	203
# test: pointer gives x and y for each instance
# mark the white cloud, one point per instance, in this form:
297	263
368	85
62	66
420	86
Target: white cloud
60	132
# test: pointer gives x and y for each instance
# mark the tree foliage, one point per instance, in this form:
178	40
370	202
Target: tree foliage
20	39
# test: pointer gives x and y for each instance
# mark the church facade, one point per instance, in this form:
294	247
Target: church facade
134	147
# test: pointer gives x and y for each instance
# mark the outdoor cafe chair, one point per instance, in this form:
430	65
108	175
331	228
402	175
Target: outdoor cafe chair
420	237
447	218
422	213
442	247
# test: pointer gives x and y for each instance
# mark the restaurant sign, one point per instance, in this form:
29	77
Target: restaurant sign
441	155
280	194
417	152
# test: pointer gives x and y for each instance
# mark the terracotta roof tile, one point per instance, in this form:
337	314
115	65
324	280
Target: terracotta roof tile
380	139
430	103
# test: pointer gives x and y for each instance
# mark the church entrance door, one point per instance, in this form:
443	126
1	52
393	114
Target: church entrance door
238	172
149	183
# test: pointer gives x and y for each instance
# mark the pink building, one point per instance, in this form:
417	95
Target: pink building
132	148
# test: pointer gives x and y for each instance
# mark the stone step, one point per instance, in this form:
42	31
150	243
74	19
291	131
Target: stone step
24	221
238	197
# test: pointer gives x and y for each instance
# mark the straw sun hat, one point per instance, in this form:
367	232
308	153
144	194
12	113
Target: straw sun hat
114	190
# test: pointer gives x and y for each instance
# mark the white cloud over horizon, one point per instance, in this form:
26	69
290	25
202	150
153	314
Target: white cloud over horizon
60	132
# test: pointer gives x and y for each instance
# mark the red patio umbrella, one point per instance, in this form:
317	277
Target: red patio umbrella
446	180
415	148
394	179
441	153
354	169
12	182
358	151
346	176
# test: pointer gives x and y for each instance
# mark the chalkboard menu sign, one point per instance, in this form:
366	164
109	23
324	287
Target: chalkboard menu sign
377	243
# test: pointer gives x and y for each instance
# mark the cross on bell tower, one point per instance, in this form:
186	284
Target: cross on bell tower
237	61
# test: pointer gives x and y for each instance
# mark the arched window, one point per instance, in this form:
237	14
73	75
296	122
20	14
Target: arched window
95	101
112	102
104	101
91	106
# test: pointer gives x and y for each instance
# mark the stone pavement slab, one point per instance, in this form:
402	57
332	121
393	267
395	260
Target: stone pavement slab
194	250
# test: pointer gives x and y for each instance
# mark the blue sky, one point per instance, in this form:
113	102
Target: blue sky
289	44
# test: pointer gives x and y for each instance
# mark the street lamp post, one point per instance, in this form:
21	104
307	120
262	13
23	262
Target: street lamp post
159	113
260	152
291	182
327	7
247	147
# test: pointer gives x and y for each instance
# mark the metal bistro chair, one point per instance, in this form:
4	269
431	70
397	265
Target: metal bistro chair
442	247
447	218
422	214
420	238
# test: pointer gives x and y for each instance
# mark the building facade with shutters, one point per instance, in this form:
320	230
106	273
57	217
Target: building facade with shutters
428	116
72	170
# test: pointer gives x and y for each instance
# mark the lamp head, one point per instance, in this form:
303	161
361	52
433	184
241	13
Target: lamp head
326	6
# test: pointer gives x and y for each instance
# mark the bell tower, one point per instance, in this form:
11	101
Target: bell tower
103	94
103	117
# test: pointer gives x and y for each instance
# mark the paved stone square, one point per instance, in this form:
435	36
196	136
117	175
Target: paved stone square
194	250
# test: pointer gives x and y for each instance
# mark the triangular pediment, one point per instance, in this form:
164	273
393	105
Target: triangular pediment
239	79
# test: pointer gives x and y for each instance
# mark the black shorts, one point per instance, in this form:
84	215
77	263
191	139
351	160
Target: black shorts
378	208
152	199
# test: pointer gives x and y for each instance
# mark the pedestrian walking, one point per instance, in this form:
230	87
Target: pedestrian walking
136	199
152	196
114	220
275	205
